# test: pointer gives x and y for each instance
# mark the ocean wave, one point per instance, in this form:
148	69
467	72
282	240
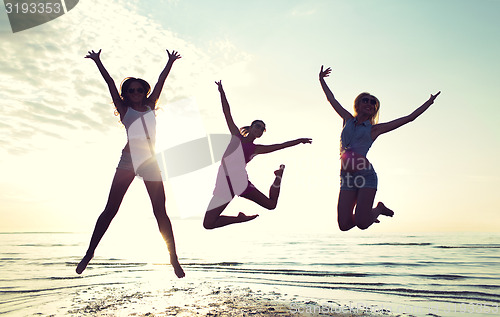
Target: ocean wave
46	245
389	289
469	246
369	264
425	244
213	264
10	259
449	277
241	269
290	272
400	243
52	289
110	263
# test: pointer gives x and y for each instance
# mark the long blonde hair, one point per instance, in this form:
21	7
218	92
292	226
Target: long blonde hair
357	101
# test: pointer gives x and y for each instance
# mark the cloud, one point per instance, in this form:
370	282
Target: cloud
50	90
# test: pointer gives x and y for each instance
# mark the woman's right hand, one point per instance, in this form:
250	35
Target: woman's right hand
324	73
94	56
173	56
219	85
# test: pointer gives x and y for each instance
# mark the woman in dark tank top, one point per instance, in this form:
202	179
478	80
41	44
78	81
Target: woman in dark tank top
358	177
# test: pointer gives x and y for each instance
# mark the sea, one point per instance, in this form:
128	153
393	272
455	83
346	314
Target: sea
400	274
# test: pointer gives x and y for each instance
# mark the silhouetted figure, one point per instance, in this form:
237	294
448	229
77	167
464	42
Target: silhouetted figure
232	178
136	107
358	178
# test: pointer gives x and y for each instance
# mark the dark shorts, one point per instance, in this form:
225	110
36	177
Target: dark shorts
366	178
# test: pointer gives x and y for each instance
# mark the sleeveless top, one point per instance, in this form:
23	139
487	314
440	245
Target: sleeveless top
141	134
356	138
248	149
232	177
237	147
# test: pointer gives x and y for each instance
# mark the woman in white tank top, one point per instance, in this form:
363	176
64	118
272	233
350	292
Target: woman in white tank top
135	106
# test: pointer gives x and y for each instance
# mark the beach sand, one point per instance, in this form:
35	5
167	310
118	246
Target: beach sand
200	299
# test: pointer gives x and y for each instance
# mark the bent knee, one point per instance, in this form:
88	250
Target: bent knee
363	226
208	224
271	207
345	226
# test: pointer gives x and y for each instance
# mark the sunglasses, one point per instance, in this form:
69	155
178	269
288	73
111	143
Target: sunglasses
370	100
132	90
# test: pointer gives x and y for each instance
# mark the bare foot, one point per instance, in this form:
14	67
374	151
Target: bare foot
244	218
83	263
279	172
384	210
177	268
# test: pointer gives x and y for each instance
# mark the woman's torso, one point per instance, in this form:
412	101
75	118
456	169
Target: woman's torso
356	137
248	149
240	149
141	129
355	141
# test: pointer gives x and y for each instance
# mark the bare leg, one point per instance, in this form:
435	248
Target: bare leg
274	191
156	193
345	208
258	197
213	218
365	214
119	186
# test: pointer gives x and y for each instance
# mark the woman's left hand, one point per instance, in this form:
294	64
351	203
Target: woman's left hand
305	140
433	97
324	73
173	56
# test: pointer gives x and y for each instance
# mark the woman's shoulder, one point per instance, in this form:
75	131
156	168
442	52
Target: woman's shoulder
238	136
150	103
349	121
122	110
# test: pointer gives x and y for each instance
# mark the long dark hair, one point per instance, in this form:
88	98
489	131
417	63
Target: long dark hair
126	84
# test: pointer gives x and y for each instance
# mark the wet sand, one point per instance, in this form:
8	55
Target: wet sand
204	299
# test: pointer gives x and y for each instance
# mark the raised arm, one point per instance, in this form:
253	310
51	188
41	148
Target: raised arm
96	57
263	149
346	115
155	94
226	110
382	128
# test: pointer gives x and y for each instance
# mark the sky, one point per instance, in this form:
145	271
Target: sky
60	140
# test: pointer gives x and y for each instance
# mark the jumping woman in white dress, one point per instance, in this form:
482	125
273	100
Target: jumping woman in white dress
232	178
